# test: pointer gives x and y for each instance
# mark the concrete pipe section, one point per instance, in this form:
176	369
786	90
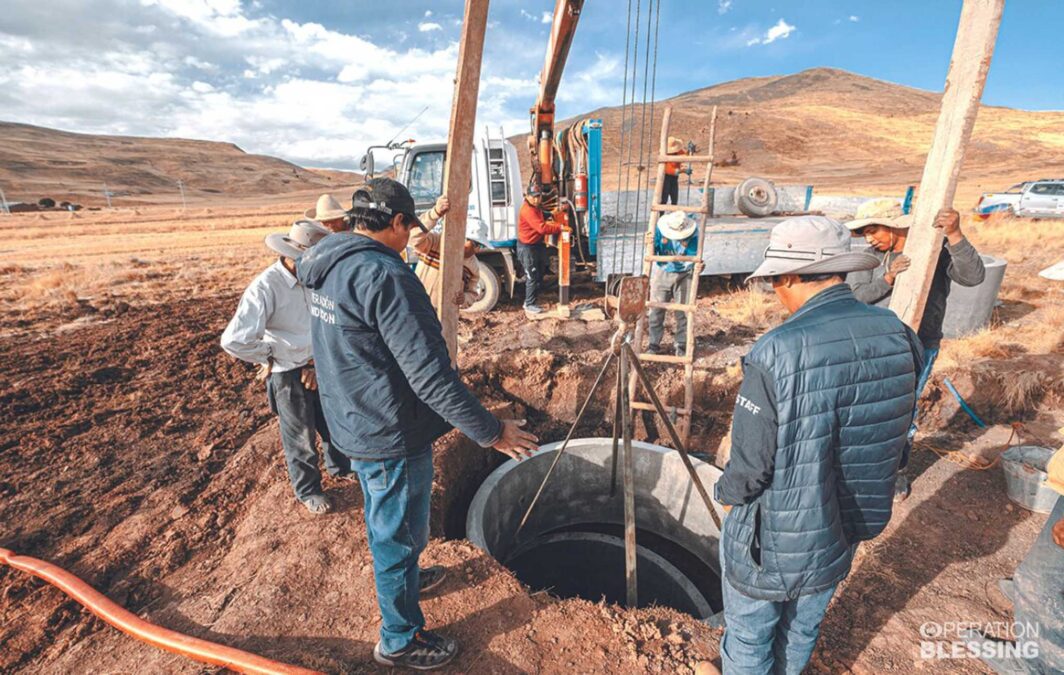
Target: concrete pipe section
573	543
968	310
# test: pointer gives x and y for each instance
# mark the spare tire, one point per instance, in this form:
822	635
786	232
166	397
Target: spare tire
756	197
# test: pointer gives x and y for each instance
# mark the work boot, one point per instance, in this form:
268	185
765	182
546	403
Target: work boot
653	349
534	309
430	578
681	350
317	504
427	651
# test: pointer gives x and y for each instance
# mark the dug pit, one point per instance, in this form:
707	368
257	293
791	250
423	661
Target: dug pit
572	544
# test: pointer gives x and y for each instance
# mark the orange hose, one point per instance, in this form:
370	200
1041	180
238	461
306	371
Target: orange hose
157	636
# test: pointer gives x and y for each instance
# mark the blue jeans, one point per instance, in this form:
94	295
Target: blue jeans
299	411
761	636
396	494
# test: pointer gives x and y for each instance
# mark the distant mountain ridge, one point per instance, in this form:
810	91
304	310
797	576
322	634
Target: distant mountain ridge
37	162
831	127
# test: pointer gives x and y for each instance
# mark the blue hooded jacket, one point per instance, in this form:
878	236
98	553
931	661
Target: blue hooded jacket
387	386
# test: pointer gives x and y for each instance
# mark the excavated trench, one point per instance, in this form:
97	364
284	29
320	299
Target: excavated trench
573	546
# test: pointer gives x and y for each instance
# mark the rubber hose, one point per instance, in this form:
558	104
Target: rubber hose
157	636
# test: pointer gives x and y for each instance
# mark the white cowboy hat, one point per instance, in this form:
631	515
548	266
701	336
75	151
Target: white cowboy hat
327	208
883	211
676	226
303	235
811	245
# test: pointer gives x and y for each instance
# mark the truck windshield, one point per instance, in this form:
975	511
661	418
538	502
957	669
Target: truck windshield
426	176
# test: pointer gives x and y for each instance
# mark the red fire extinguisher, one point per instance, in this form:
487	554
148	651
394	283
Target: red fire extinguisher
580	192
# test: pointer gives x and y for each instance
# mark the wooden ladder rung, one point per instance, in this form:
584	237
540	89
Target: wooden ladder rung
664	358
673	306
684	159
643	405
666	208
673	258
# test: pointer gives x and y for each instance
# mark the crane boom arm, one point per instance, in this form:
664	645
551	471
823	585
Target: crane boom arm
563	29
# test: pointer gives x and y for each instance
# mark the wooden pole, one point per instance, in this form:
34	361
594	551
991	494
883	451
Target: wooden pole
457	171
972	50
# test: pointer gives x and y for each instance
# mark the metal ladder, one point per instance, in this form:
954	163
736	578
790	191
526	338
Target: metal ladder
705	209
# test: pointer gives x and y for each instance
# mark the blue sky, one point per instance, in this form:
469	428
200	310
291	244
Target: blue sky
316	82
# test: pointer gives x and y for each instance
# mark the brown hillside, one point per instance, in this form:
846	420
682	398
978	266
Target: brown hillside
840	130
36	162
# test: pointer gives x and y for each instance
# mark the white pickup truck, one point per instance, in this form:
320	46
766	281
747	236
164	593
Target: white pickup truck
1031	199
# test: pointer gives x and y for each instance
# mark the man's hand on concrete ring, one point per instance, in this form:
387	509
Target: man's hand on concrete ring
515	442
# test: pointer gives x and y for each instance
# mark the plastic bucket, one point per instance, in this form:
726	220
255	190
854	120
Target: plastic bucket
1025	477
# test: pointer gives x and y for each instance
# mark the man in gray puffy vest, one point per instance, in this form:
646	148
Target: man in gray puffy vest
817	438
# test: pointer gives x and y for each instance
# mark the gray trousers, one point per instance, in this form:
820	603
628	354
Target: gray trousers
299	412
668	287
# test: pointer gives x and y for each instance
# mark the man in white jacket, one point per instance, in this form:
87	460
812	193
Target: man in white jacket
271	328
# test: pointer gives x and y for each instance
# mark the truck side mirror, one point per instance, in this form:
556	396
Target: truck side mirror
366	164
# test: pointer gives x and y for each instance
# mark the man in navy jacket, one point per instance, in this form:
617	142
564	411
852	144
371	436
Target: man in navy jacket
817	438
388	390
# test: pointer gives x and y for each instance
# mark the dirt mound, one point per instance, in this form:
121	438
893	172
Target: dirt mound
41	162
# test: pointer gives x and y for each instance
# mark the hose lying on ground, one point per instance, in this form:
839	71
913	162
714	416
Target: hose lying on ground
157	636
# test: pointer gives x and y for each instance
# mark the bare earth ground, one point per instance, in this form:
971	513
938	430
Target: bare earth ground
139	456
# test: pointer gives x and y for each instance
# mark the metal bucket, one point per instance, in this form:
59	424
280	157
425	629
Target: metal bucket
1025	477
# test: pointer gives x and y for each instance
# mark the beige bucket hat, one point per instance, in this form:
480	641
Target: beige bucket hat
327	208
303	235
811	245
675	145
882	211
676	226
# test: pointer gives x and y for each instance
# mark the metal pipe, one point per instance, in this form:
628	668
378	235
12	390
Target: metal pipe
157	636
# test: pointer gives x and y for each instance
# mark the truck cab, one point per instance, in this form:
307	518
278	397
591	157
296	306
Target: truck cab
1031	199
495	197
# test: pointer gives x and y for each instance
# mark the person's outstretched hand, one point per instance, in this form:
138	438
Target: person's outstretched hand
443	205
514	442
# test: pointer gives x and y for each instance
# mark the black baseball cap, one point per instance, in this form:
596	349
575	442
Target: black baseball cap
388	196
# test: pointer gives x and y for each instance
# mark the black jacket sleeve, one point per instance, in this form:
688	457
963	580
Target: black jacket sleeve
753	451
411	331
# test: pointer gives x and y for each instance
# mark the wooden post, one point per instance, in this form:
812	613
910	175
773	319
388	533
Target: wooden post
972	50
457	171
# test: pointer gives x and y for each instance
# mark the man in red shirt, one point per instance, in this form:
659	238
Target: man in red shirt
532	227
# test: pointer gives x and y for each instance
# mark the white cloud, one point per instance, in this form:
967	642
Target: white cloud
547	17
527	15
723	6
854	18
308	93
428	13
427	26
780	31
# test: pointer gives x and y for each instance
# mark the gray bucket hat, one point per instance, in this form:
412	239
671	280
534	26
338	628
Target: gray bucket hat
811	245
303	235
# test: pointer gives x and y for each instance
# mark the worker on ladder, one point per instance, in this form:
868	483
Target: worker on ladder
675	235
671	192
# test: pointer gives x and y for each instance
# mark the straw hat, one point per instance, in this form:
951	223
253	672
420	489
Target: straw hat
882	211
327	208
303	235
811	245
676	226
675	146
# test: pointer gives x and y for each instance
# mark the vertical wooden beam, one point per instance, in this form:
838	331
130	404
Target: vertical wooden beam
457	172
968	67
